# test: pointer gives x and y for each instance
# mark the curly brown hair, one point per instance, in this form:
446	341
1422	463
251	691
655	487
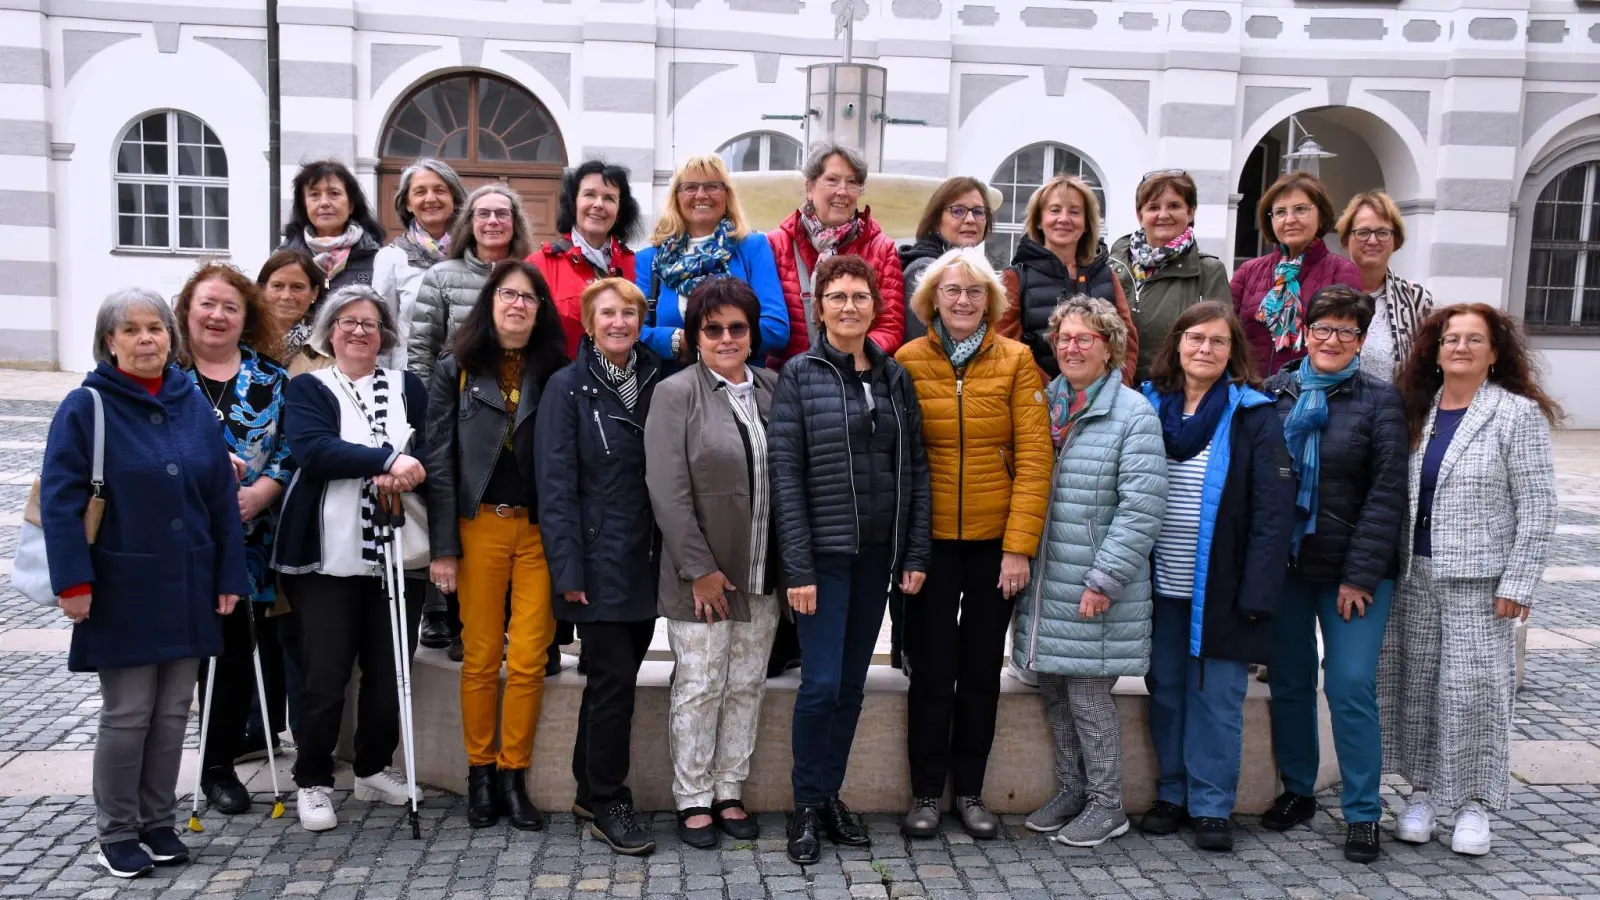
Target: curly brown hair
1166	374
260	326
1514	367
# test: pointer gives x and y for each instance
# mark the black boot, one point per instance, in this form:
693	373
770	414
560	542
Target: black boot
224	791
842	826
512	787
435	631
805	840
482	810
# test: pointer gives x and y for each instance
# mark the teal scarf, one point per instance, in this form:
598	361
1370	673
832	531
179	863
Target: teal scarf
1303	432
959	351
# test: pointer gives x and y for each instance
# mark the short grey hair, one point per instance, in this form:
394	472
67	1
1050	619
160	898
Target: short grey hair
321	339
818	160
114	312
1100	316
451	180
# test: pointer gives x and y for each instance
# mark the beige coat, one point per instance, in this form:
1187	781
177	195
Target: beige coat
699	479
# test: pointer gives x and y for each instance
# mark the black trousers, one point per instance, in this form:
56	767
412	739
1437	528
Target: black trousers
234	695
345	621
955	632
601	754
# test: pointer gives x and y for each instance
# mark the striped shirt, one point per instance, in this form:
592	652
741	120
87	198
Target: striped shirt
1180	530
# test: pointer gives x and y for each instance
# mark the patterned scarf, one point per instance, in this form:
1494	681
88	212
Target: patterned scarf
298	334
1303	431
1147	259
432	250
1067	406
959	351
599	257
377	420
1280	308
683	266
827	240
332	253
511	387
625	379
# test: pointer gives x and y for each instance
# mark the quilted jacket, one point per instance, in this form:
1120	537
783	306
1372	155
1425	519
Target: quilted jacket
446	296
986	431
872	245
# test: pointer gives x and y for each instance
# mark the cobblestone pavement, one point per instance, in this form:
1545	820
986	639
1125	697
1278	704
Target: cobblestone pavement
1546	845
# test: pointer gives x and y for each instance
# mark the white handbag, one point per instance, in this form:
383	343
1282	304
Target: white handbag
30	571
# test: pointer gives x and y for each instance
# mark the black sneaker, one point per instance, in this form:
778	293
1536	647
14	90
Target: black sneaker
224	792
1213	834
165	847
842	826
618	828
1361	842
254	747
435	631
1163	818
805	846
125	859
1289	810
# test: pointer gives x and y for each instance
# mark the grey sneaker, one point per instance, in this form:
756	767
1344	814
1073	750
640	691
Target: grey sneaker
1093	827
1062	808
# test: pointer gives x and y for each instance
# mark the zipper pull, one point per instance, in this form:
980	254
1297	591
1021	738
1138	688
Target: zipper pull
958	386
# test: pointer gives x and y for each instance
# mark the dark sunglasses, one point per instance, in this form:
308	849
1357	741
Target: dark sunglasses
713	330
1154	173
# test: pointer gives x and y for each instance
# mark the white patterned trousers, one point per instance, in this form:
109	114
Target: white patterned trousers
1446	688
717	686
1083	720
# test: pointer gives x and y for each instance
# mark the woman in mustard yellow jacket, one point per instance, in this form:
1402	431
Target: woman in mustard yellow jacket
987	432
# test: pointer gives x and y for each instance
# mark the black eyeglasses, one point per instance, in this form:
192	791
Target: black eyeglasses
714	330
1347	334
959	212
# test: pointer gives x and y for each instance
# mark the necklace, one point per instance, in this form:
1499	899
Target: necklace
216	402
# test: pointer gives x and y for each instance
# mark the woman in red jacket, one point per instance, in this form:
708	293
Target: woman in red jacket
597	217
1267	290
833	222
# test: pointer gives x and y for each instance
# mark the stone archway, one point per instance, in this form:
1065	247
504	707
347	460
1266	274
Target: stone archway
488	129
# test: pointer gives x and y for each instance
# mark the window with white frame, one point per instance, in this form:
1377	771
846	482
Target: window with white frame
172	185
1023	173
1564	260
761	151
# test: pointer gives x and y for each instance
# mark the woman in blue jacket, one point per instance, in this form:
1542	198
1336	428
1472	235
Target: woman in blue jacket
146	597
1219	565
702	233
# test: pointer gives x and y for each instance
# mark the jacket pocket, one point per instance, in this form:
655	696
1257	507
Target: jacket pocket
1005	460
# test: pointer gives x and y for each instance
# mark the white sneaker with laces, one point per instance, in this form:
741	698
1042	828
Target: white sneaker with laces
388	786
1471	836
1415	825
315	807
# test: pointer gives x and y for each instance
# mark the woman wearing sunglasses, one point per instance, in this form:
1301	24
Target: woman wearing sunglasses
957	215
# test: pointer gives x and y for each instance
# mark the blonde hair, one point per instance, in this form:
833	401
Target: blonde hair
1379	202
672	224
1100	316
1091	215
623	288
972	262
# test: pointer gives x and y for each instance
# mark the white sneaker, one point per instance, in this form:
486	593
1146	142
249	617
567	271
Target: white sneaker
315	806
1415	825
1471	836
388	786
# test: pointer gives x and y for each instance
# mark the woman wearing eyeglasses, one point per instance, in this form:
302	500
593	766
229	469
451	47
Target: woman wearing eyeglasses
987	436
1159	266
1371	230
1268	291
957	215
702	234
1349	505
832	222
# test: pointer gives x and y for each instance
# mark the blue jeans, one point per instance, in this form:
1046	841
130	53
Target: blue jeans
1350	679
1196	717
836	645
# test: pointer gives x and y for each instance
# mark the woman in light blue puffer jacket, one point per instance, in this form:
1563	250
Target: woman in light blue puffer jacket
1085	620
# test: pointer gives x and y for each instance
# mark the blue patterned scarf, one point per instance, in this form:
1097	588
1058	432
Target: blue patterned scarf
1303	432
1280	308
682	267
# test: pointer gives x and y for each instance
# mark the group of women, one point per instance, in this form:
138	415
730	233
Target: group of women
1092	454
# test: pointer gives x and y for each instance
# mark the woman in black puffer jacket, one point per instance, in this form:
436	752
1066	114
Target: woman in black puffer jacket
851	483
1346	432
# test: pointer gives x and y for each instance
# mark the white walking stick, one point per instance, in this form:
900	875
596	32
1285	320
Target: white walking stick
205	722
391	520
266	712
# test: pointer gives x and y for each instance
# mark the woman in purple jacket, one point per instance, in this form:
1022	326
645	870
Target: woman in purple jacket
1267	290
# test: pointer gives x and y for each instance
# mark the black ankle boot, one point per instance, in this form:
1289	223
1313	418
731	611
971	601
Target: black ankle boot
482	810
511	785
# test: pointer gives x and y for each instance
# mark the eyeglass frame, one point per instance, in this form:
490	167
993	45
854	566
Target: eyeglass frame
1339	331
1383	235
715	330
870	302
710	188
529	300
367	326
1061	341
1153	173
1195	340
981	295
977	213
486	214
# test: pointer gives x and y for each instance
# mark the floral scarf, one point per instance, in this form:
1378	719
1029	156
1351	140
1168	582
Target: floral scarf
959	351
1280	308
824	239
1067	406
332	253
510	378
682	267
1147	259
433	251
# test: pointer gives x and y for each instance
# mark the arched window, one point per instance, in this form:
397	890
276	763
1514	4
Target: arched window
171	170
1564	262
761	151
1017	178
474	118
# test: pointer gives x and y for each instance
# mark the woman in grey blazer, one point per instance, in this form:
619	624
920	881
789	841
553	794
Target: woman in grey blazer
1481	509
1085	619
706	444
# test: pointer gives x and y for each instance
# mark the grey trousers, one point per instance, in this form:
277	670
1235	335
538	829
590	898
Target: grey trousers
1088	736
142	718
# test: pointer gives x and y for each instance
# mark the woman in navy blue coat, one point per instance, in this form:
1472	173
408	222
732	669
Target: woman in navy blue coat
147	596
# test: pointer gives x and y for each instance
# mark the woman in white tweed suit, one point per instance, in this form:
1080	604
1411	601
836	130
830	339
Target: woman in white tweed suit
1481	510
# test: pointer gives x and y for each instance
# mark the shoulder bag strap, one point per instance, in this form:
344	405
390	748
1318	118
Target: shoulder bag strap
807	302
